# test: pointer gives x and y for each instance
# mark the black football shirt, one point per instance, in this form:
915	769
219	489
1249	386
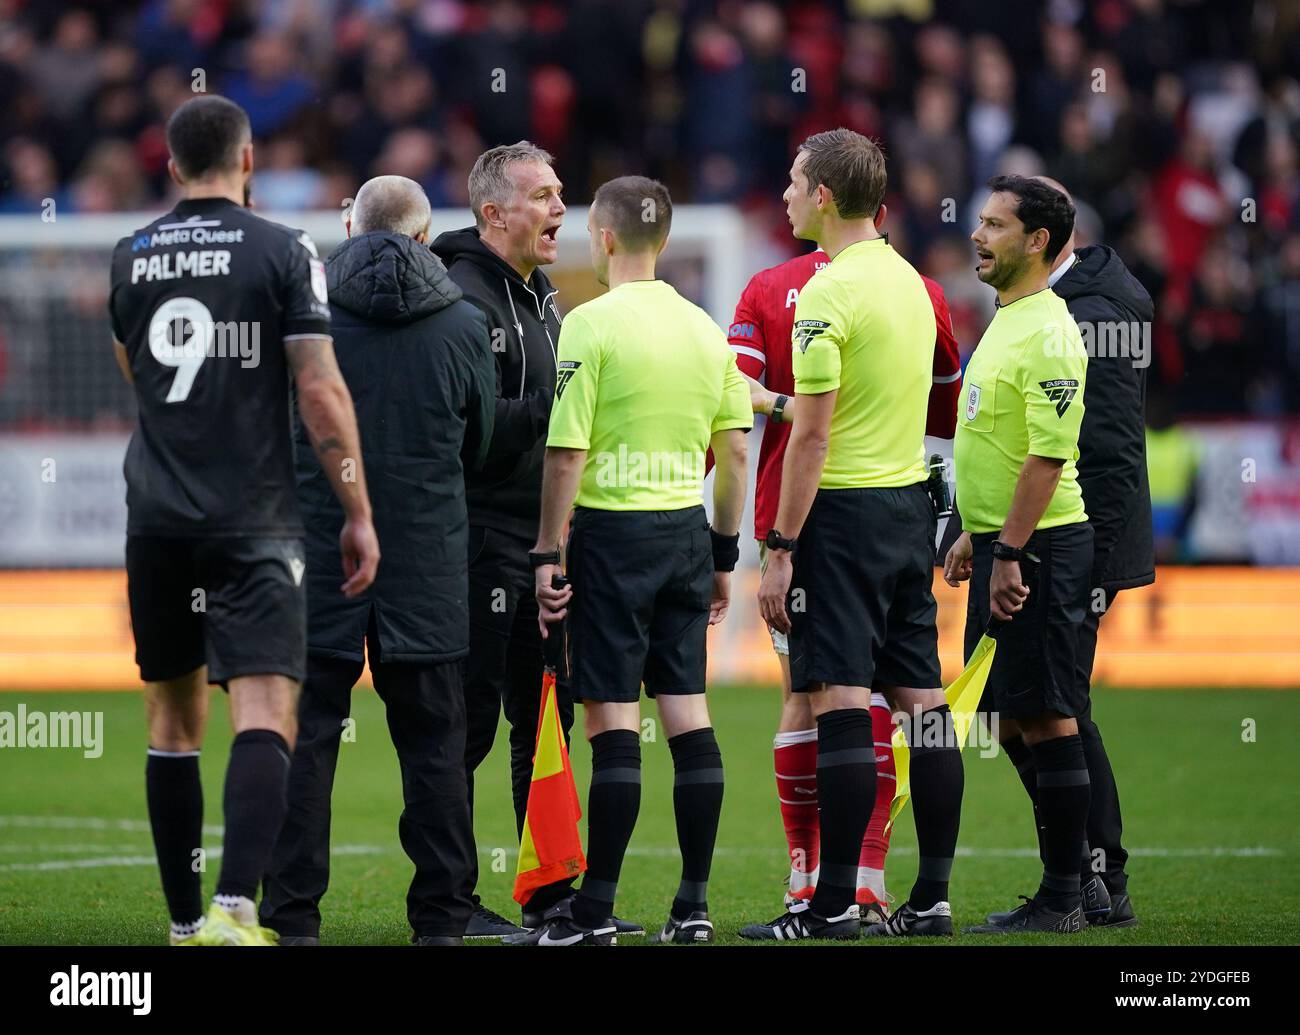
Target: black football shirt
203	299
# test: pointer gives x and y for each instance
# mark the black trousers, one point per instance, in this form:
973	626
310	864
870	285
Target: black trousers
1105	826
504	667
426	719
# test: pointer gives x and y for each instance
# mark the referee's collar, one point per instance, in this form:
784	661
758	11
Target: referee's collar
876	242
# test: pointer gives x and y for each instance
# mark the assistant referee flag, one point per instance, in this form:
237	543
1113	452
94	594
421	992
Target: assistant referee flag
551	847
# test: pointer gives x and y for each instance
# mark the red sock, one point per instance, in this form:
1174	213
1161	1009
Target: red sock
875	842
796	790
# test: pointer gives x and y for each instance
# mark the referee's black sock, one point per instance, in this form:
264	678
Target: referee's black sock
1020	756
1063	797
256	803
697	804
175	796
846	792
938	781
613	801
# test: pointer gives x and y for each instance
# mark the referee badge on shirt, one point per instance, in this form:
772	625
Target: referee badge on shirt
972	402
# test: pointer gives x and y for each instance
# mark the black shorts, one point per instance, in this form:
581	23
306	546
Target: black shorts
862	612
1034	667
642	582
237	604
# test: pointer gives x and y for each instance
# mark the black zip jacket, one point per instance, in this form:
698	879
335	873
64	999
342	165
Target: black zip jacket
1111	306
524	325
417	361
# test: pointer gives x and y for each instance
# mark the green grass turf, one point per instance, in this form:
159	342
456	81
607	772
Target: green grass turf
1211	821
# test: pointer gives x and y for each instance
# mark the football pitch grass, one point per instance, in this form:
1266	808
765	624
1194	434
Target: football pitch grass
1211	821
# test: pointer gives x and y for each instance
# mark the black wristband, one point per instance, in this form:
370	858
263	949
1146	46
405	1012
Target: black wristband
538	560
1003	552
778	409
726	550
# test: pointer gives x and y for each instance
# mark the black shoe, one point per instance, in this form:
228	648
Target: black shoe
558	927
435	939
1096	899
483	923
908	922
801	922
696	929
1120	914
298	939
533	919
1010	916
1036	916
626	927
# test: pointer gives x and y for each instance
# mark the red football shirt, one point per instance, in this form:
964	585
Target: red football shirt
760	336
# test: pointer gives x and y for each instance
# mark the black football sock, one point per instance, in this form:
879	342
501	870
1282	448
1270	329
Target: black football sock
846	792
697	804
938	782
256	803
1063	798
1105	826
175	796
613	801
1020	756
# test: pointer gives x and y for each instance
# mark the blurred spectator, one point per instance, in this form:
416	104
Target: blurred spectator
270	88
1220	360
31	177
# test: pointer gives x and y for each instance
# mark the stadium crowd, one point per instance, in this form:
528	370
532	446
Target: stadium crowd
1175	124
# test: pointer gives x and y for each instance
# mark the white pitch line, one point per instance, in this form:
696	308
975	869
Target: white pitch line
136	826
149	860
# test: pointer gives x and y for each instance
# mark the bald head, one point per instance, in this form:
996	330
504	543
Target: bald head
392	203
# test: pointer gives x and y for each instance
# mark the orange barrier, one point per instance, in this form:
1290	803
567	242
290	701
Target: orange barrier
70	630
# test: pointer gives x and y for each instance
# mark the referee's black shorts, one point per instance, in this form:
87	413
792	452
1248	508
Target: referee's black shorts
237	604
861	607
642	582
1034	667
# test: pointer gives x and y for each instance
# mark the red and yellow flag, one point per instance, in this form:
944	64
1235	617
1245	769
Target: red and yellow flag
551	848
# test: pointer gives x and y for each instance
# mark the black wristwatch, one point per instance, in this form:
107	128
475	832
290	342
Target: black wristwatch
1003	552
538	560
775	541
778	409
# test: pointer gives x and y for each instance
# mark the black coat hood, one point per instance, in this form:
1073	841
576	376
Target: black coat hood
466	244
1098	270
388	278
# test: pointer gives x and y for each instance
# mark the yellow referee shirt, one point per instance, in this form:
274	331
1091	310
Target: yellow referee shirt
865	325
643	380
1023	394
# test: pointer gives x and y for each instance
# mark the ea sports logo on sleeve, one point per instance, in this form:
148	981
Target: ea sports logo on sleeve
1060	391
564	374
806	330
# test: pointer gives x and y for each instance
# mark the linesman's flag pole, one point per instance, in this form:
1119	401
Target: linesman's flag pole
963	697
551	847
